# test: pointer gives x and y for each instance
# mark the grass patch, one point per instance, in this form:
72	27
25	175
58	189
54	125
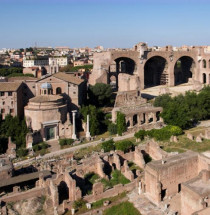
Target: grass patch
134	167
185	144
124	208
81	153
99	203
117	178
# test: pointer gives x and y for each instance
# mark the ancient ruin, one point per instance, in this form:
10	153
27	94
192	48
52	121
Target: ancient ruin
138	112
142	67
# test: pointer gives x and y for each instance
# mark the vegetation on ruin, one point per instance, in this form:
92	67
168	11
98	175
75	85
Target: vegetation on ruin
89	179
66	142
15	128
112	128
125	208
100	95
86	152
133	167
98	204
41	148
185	110
108	146
116	178
121	124
79	204
185	144
160	134
124	145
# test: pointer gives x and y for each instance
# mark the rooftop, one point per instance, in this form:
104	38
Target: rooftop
46	98
172	160
68	77
9	86
24	178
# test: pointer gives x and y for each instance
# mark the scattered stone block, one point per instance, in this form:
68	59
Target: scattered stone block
190	136
198	139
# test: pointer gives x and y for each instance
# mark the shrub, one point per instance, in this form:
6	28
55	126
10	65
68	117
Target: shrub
140	134
22	152
164	133
124	145
64	142
79	204
40	146
107	146
112	128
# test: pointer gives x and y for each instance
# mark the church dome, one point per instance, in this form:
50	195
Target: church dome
46	86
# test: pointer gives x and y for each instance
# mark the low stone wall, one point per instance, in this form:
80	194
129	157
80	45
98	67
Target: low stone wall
36	192
154	150
116	190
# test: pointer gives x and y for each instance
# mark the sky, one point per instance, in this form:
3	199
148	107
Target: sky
110	23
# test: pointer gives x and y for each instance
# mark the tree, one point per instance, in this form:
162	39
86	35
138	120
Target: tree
100	94
121	124
185	111
112	128
95	116
124	145
108	146
15	128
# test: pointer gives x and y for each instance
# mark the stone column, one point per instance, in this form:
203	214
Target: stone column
140	188
131	121
88	128
154	117
146	118
139	119
74	127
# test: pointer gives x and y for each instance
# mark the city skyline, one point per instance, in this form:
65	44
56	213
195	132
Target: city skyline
108	23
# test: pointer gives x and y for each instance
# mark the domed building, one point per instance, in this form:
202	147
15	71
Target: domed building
47	116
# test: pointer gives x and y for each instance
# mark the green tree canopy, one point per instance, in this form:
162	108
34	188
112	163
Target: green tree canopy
185	111
121	124
100	94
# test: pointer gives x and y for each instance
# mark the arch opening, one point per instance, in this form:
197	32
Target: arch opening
120	65
155	72
58	90
63	192
183	70
204	78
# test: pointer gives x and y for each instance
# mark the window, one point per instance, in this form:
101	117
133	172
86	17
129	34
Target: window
11	102
2	110
74	92
9	93
11	111
3	103
2	93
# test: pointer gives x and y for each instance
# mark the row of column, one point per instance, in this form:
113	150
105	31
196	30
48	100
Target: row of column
142	118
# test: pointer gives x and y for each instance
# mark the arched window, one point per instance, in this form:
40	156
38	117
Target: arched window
204	63
204	78
58	90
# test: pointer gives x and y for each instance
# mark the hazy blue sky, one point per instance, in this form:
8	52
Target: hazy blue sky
111	23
